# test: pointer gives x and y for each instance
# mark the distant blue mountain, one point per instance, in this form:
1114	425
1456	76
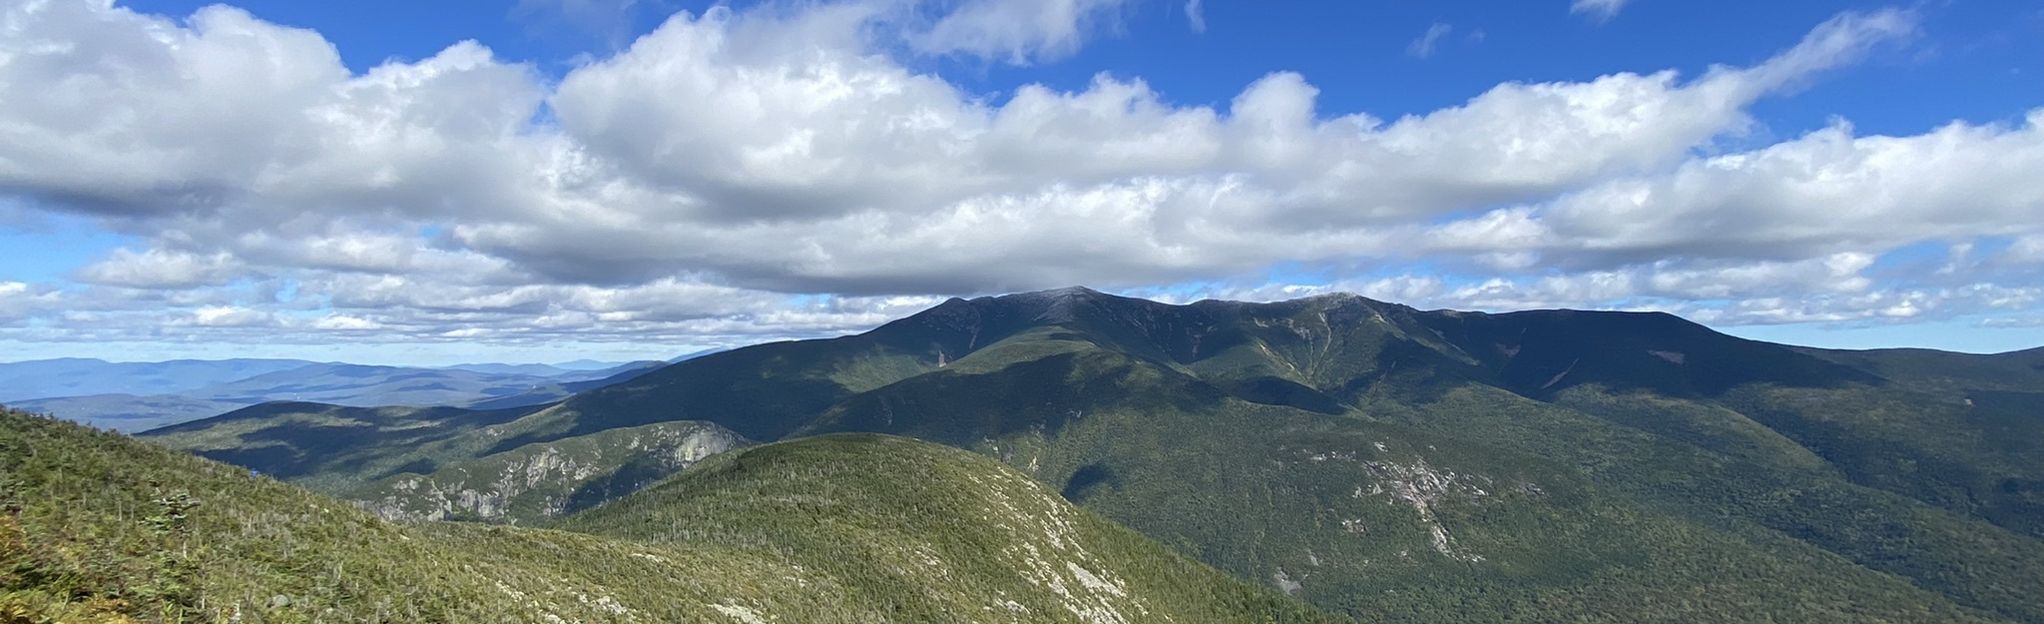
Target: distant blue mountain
76	376
139	396
588	365
535	370
128	412
574	370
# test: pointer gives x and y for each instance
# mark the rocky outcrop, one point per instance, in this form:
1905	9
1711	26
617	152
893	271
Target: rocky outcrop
549	478
1418	485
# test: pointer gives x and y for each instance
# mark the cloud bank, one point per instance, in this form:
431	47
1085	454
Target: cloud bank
783	171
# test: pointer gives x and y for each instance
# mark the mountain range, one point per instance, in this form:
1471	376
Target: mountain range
134	396
1373	460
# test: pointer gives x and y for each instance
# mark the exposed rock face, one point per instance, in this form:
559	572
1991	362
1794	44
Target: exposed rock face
1046	535
1418	485
550	478
1421	486
1285	583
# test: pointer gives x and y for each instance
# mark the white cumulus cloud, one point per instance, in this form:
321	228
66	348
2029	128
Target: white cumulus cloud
782	170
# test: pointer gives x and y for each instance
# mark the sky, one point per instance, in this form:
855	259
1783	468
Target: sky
403	182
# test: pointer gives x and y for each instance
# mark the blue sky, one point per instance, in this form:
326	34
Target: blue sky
1971	65
619	179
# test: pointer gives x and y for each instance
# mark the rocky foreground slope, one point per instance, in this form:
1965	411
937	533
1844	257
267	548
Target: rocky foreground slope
96	527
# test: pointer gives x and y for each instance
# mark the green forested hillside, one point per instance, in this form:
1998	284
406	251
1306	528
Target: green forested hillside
881	521
1477	502
334	447
1426	466
95	527
414	463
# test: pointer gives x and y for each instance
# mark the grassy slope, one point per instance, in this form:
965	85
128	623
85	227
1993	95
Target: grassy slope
92	530
98	527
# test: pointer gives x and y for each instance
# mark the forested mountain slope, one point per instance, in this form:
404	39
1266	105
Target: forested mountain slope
1400	464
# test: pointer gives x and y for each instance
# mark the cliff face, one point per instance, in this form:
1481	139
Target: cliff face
548	479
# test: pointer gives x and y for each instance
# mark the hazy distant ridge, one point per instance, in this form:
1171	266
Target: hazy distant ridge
134	396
